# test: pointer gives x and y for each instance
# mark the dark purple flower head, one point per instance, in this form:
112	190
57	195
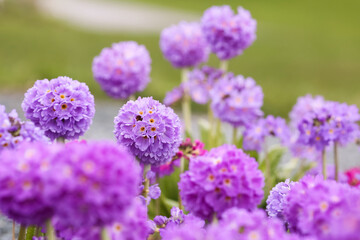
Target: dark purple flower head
14	131
149	129
223	178
228	34
276	201
123	69
25	194
98	182
184	45
323	208
62	107
255	134
237	100
240	224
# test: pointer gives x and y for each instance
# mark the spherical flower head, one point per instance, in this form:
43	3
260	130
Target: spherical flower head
184	45
330	172
237	100
240	224
276	200
25	194
123	69
353	176
304	152
13	131
98	182
255	134
149	129
228	34
61	107
323	208
223	178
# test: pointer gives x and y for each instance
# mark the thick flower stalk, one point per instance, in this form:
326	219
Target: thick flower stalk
62	107
123	69
223	178
228	34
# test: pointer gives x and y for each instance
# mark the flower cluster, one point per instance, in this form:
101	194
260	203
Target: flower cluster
199	84
333	122
237	100
184	45
61	107
240	224
223	178
323	208
123	69
255	134
149	129
330	172
353	176
276	201
227	33
14	131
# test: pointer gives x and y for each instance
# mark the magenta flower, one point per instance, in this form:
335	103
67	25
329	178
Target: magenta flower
223	178
228	34
353	176
237	100
150	130
61	107
184	45
123	69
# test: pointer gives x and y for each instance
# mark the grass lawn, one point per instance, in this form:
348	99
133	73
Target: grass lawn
302	47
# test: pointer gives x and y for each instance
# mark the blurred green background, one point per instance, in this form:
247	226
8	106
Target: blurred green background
302	47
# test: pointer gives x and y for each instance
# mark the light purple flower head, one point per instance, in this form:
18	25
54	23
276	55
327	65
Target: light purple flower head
123	69
240	224
149	129
330	172
255	134
223	178
61	107
237	100
323	208
98	182
174	95
25	194
184	45
228	34
14	131
276	201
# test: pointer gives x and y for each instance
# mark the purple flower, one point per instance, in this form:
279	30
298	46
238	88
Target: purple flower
304	152
240	224
330	172
174	95
236	100
25	194
227	33
184	45
223	178
14	131
98	182
255	134
276	201
323	208
62	107
122	69
149	129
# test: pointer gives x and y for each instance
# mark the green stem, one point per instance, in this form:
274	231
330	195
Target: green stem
30	232
22	232
38	231
214	218
157	201
60	140
182	169
50	233
217	132
13	231
234	137
132	97
336	161
323	164
186	101
224	65
104	234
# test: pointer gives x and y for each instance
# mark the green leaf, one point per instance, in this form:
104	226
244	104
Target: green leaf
274	156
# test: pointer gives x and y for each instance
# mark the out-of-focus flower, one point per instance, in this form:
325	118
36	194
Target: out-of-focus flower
184	45
123	69
255	134
228	34
237	100
276	201
353	176
174	95
150	130
14	131
61	107
223	178
330	172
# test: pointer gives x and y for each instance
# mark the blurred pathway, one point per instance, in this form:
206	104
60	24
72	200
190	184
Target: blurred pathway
114	16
